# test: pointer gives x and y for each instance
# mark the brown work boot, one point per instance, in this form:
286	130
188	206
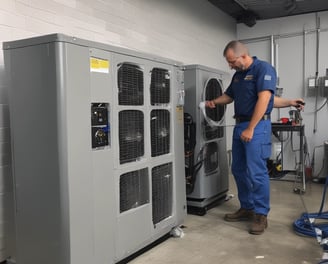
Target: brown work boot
259	223
240	215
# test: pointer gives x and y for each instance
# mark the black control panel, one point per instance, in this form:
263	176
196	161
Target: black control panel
100	129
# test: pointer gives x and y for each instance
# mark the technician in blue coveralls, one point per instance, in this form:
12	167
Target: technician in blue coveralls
252	89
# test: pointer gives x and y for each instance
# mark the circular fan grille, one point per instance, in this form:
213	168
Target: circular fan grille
212	90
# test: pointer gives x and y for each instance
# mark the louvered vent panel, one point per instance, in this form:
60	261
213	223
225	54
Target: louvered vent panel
162	192
211	132
211	158
134	189
213	89
160	86
131	135
130	84
160	132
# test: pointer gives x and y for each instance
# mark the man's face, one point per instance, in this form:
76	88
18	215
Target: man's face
235	62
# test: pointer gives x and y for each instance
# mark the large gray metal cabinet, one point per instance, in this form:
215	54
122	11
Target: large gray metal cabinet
207	162
97	145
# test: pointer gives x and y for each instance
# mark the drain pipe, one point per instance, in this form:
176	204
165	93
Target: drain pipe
275	64
304	61
316	73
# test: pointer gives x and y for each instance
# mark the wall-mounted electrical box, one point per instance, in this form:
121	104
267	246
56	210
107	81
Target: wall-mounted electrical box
311	87
323	86
318	86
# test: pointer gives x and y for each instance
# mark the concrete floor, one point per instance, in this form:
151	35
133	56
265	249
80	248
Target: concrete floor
209	239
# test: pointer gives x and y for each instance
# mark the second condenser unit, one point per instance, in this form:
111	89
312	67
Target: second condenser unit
97	144
205	139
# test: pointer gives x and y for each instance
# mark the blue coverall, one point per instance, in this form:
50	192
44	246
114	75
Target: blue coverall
249	159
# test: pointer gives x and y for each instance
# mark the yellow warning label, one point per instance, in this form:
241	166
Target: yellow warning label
99	65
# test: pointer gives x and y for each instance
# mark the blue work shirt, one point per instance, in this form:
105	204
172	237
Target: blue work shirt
245	86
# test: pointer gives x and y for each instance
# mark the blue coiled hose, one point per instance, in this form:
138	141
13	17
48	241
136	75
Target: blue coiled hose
306	225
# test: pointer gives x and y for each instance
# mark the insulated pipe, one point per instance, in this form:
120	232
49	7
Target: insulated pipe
318	39
273	62
304	59
276	65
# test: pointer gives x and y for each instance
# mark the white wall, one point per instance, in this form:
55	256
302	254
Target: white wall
296	47
190	31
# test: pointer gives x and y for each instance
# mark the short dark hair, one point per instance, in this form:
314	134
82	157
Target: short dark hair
237	46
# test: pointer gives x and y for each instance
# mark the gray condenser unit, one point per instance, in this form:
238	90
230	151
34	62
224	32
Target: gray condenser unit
97	145
205	140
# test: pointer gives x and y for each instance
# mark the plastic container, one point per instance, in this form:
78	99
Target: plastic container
284	120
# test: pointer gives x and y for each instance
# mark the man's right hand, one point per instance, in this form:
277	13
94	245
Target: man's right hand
210	104
298	104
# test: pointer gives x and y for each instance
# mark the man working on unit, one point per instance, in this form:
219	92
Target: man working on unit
252	89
